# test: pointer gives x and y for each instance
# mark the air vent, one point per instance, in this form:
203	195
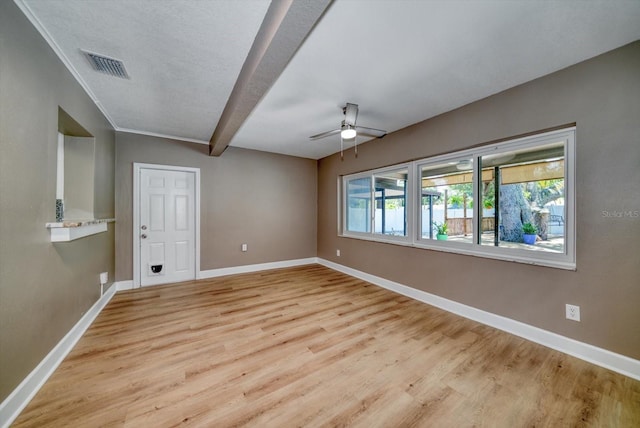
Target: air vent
104	64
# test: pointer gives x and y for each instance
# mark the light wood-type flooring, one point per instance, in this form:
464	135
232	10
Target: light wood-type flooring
309	346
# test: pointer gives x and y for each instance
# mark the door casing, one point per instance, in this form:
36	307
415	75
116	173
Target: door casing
137	167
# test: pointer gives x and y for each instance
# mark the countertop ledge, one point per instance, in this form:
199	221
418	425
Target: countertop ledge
78	223
71	230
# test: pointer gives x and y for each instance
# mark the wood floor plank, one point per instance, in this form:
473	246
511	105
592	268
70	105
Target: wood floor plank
309	346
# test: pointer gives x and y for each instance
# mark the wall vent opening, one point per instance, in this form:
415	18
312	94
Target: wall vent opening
104	64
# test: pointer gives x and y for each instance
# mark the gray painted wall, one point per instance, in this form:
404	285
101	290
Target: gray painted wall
602	96
79	173
44	288
265	200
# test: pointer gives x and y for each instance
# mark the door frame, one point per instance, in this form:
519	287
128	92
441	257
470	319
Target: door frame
137	167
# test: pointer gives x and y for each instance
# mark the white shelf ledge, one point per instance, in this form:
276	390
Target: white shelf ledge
72	230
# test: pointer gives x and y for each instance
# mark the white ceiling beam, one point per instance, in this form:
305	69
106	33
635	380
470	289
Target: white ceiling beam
285	27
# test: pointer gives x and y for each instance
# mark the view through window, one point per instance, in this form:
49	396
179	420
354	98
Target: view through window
512	200
530	198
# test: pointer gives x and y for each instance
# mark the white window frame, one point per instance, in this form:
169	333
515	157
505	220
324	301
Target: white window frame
566	260
432	243
409	208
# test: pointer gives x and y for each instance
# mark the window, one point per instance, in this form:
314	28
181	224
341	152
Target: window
390	192
359	205
524	190
376	204
524	187
447	200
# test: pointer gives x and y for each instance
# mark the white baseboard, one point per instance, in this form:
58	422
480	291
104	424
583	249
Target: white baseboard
255	268
213	273
598	356
20	397
124	285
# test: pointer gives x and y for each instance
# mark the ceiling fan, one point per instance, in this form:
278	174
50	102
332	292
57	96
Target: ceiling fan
349	130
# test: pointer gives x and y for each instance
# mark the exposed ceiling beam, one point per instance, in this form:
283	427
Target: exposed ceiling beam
285	27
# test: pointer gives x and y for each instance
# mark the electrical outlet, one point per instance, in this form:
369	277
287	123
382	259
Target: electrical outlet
337	253
244	247
104	278
573	312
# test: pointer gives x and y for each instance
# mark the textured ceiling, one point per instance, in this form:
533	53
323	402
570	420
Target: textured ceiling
401	61
183	57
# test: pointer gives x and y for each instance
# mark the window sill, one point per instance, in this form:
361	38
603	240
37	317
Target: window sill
518	256
71	230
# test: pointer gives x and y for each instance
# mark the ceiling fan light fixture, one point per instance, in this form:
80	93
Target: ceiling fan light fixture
464	165
348	132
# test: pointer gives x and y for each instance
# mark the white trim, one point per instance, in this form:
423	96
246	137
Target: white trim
136	225
76	74
45	34
592	354
136	214
566	260
66	234
124	285
213	273
155	134
234	270
60	167
22	395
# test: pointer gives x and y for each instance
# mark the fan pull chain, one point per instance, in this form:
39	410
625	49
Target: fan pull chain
341	148
355	140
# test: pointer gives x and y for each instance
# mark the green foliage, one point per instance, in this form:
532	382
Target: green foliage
544	191
458	194
456	200
442	228
392	204
529	229
459	191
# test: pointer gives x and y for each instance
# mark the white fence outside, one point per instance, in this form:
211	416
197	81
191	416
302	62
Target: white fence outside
394	218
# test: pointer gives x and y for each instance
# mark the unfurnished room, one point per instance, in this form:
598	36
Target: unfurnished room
304	213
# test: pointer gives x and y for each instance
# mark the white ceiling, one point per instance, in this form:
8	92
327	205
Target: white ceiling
401	61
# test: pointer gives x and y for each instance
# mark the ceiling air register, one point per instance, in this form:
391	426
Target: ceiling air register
106	65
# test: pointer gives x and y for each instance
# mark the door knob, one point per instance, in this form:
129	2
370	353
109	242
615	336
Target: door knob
143	236
143	227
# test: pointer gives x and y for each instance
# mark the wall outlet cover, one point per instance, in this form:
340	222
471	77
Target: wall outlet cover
573	312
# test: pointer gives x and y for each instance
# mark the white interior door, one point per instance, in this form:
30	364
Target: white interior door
167	226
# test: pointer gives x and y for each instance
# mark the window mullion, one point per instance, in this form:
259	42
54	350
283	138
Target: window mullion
520	167
477	196
373	205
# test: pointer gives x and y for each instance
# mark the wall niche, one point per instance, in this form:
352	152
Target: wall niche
75	179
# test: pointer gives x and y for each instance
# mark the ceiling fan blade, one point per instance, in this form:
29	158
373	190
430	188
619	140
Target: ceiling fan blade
325	134
370	132
350	114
